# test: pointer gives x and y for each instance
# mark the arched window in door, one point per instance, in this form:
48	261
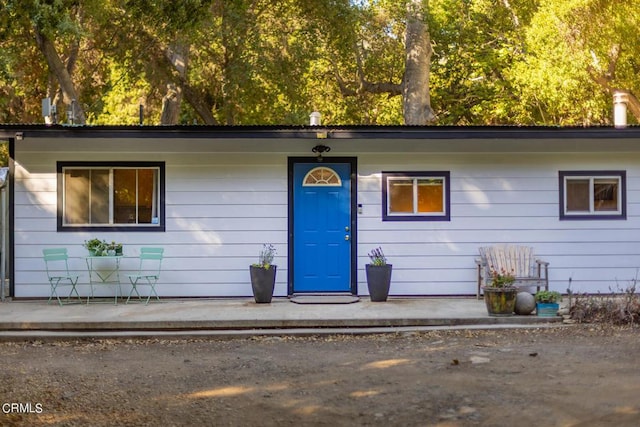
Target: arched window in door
322	176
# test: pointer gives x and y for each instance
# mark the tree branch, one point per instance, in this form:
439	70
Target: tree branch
363	85
392	89
162	59
605	80
62	75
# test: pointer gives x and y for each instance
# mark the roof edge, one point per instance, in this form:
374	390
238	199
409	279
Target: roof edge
305	132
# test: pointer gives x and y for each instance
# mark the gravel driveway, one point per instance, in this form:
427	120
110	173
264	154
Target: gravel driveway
562	376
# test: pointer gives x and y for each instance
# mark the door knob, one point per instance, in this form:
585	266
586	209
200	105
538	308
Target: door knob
346	228
346	237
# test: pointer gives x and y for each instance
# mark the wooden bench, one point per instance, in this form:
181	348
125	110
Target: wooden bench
517	260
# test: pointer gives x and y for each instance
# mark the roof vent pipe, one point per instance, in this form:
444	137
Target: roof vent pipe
620	101
314	119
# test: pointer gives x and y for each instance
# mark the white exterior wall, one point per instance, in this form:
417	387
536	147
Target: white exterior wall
221	207
498	198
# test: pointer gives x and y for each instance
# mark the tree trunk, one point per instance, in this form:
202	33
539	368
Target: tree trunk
177	55
634	105
171	105
70	97
199	104
416	98
191	95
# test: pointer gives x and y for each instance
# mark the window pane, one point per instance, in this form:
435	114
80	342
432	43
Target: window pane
99	196
76	202
102	196
146	195
430	195
605	194
401	196
86	196
322	176
124	196
577	195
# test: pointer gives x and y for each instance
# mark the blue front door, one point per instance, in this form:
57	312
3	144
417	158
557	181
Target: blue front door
321	227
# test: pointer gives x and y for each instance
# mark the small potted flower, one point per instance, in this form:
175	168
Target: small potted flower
114	249
263	275
378	275
547	303
500	294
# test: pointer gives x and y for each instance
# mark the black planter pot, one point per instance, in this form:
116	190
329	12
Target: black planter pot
263	281
378	281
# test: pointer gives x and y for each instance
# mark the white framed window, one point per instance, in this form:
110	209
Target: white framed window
415	196
322	176
592	195
120	195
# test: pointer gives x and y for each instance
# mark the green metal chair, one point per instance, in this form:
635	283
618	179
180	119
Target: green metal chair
56	262
148	273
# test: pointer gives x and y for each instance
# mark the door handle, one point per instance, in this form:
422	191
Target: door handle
347	237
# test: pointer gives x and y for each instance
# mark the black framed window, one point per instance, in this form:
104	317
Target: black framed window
111	196
593	195
415	196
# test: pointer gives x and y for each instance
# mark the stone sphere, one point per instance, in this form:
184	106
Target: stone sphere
525	303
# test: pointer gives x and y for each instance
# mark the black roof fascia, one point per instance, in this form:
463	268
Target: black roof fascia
333	132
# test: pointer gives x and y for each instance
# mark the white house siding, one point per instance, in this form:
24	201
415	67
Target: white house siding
221	207
499	198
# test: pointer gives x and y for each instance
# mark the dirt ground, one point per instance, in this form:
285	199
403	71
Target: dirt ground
571	376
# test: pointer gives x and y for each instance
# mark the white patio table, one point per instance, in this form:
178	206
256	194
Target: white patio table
104	270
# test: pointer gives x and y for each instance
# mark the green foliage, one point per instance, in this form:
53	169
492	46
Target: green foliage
4	154
501	279
95	246
121	104
568	71
548	296
551	62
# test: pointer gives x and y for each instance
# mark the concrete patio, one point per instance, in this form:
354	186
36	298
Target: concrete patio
242	316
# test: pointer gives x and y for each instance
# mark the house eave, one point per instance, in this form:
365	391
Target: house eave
334	132
491	139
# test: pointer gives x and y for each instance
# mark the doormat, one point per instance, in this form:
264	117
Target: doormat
325	299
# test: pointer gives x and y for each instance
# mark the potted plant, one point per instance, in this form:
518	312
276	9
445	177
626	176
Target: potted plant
114	249
263	275
96	247
500	294
378	275
547	303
